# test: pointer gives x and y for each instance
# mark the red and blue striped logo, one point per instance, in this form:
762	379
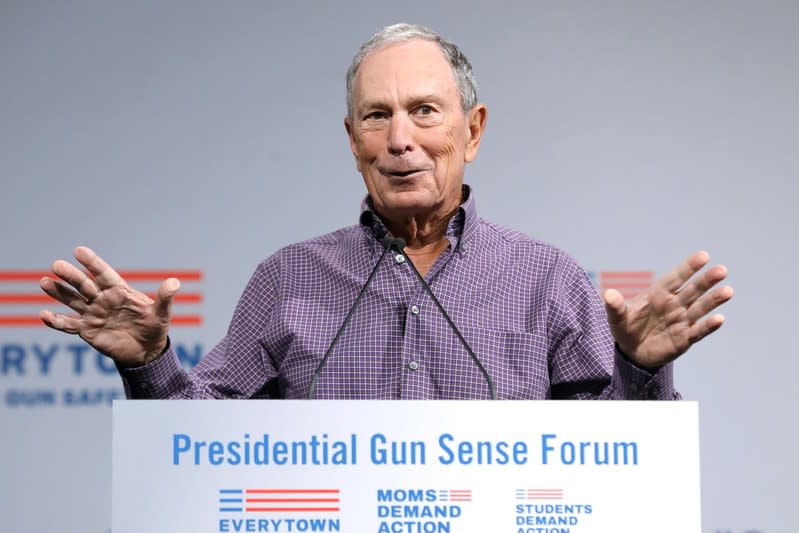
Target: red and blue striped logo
539	494
279	500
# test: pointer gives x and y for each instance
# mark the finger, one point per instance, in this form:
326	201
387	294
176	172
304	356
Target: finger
615	306
65	323
64	294
683	272
77	278
163	300
690	292
105	276
706	327
708	303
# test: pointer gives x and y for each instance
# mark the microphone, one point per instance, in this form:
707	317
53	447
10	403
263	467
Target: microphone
387	243
399	245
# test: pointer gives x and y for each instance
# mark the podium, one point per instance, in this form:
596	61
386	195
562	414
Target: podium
405	466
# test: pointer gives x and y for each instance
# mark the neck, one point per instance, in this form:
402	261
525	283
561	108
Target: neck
421	231
425	238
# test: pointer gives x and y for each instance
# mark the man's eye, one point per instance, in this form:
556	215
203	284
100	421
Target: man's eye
375	115
424	110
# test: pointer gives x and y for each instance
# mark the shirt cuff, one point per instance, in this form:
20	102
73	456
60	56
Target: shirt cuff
160	378
633	383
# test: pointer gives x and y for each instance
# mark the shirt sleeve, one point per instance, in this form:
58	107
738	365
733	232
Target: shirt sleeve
584	362
238	367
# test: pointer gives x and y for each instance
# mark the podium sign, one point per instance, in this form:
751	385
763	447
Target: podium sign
405	467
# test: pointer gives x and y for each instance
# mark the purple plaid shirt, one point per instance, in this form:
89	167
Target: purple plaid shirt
530	314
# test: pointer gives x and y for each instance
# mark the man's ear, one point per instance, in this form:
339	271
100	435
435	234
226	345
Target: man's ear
476	121
353	142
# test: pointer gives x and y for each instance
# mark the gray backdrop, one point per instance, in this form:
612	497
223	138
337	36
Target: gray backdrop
205	135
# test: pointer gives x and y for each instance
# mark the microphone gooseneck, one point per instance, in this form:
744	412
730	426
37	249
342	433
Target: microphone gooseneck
399	245
387	243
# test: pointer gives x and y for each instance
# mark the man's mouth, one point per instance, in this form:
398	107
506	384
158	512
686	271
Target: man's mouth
401	173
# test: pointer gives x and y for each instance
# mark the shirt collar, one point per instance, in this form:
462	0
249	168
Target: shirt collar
460	230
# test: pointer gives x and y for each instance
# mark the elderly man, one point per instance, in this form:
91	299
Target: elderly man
535	324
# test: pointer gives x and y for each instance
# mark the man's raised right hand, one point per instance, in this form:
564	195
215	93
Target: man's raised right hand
115	319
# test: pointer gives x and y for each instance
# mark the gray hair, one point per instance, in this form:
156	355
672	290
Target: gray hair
397	33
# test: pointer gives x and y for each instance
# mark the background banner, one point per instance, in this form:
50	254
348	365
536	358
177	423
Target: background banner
199	137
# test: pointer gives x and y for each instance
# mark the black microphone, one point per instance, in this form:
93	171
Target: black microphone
387	246
399	245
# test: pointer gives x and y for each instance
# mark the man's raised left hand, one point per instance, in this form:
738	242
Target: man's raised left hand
658	325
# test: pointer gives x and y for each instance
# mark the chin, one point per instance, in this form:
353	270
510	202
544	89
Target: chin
409	201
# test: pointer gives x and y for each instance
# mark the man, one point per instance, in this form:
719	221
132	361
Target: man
527	310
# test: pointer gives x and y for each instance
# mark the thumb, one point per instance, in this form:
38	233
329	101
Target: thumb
615	306
163	299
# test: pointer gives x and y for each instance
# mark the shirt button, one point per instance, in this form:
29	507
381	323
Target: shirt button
413	365
415	309
464	248
399	258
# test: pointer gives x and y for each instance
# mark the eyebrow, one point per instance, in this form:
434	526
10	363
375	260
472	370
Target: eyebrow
431	97
412	102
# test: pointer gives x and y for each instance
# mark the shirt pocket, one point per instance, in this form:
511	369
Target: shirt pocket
517	362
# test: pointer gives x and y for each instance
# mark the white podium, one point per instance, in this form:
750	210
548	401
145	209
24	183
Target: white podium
405	467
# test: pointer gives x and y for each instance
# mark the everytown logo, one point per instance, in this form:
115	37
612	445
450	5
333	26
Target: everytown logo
37	366
277	509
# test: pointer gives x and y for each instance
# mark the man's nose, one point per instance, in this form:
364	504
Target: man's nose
400	134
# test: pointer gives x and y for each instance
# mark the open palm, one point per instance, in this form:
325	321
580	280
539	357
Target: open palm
660	324
115	319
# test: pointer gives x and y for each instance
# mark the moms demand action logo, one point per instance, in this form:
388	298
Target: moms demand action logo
421	510
277	509
21	298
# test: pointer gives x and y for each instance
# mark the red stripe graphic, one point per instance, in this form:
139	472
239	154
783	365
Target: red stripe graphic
616	274
16	319
456	495
129	275
25	298
186	320
281	500
291	509
544	494
621	286
20	321
24	321
292	491
629	284
292	500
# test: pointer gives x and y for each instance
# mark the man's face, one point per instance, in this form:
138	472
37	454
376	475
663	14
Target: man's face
408	132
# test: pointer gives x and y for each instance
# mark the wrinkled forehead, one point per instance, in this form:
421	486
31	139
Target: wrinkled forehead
404	69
